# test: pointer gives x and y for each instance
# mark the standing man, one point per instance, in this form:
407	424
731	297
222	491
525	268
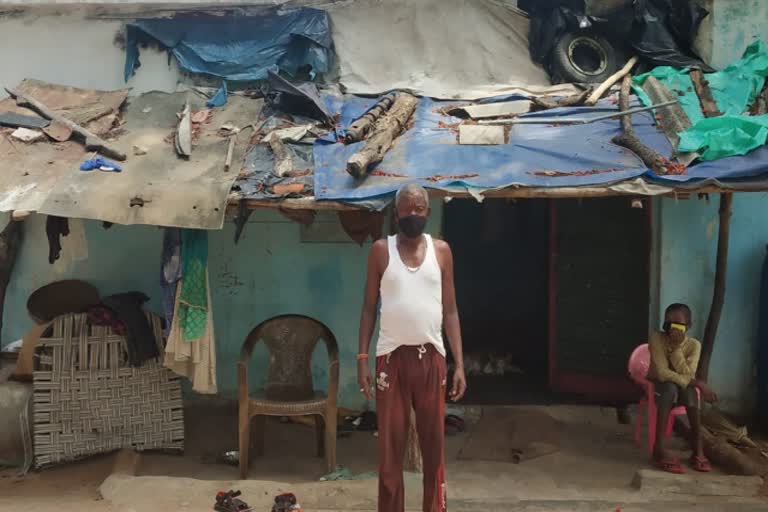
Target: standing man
412	275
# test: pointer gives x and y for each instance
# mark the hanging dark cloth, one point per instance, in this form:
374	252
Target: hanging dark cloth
361	225
140	338
170	273
55	228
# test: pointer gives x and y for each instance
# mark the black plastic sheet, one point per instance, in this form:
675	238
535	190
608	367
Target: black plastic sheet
660	32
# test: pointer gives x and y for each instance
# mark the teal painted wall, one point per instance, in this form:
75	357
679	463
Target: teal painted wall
688	244
269	272
734	25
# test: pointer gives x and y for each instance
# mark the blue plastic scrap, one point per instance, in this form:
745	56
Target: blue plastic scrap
238	48
534	156
101	164
220	98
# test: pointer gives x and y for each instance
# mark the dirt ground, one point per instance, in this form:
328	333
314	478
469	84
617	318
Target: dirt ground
593	470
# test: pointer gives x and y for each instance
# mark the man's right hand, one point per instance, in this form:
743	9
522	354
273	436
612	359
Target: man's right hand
364	379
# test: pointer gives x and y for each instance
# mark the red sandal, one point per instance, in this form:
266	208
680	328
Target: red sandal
671	466
701	464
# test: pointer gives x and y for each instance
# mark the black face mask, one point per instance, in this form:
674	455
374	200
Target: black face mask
412	226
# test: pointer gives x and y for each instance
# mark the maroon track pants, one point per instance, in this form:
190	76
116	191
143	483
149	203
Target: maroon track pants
411	377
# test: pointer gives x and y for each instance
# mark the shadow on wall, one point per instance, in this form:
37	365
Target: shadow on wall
270	272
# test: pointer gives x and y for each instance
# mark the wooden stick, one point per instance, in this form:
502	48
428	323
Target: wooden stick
595	96
10	243
708	104
760	105
383	135
283	162
92	142
629	139
718	293
363	124
569	101
230	152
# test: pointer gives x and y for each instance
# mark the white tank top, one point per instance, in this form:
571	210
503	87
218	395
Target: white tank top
411	302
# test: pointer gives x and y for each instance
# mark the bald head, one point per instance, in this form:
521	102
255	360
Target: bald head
412	190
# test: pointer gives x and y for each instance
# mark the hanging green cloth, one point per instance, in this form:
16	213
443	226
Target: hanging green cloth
193	301
734	90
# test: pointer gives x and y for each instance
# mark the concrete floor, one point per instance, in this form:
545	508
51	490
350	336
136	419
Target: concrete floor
592	471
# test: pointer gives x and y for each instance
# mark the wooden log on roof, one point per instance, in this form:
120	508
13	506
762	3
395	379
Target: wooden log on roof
383	135
708	103
629	138
361	126
568	101
92	142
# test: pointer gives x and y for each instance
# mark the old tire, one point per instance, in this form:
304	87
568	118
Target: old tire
583	57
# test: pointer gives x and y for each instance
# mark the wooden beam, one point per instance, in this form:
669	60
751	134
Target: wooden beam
718	293
92	142
10	243
305	203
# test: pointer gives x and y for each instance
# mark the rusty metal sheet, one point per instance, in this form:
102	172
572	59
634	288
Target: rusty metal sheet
156	187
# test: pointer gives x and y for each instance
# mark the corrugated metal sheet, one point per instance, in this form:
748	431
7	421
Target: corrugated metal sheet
190	193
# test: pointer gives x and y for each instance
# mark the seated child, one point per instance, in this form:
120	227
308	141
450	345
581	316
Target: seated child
674	361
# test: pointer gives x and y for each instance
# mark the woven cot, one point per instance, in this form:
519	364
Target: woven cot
87	399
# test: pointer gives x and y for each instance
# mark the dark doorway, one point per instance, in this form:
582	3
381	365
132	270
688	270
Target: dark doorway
599	307
553	297
501	259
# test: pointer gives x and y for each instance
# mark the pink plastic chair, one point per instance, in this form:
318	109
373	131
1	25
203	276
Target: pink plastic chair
639	362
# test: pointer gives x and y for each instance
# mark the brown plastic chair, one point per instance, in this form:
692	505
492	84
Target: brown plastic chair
290	341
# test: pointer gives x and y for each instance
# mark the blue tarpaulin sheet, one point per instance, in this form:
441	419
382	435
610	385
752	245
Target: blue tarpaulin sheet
239	48
543	155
